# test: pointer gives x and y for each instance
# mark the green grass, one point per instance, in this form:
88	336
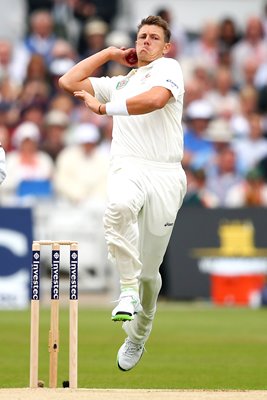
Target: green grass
191	346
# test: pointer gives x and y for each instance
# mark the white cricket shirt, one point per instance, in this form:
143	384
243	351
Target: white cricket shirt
155	136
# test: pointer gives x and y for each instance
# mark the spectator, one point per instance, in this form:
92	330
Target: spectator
226	175
29	169
67	24
206	47
239	121
9	84
36	89
197	149
202	73
197	192
40	40
250	193
94	36
220	135
228	33
81	169
36	68
222	97
62	49
250	68
55	132
224	58
62	102
8	91
34	92
252	149
194	90
251	46
7	70
8	114
33	112
82	114
63	57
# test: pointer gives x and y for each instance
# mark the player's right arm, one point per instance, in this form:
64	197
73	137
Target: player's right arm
76	78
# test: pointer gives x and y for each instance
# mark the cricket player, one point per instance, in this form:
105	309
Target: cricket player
2	164
146	183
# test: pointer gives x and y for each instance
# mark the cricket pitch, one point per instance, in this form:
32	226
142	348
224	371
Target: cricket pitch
129	394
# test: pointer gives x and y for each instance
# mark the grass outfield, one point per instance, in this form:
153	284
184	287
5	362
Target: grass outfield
191	346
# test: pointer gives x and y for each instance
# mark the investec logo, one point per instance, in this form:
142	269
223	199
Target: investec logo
55	276
74	276
35	276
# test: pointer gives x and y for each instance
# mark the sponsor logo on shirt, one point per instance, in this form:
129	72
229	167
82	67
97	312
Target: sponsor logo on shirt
173	84
121	84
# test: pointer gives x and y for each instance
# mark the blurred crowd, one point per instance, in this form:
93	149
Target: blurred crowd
58	149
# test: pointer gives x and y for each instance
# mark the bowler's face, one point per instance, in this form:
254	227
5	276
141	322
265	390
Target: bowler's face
150	44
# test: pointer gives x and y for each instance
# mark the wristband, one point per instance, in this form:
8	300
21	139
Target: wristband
118	107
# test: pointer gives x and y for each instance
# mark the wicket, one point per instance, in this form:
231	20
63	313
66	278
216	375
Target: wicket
54	320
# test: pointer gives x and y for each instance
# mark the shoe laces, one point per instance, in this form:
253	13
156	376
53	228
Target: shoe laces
133	299
131	348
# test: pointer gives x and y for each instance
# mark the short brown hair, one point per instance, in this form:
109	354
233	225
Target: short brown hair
157	20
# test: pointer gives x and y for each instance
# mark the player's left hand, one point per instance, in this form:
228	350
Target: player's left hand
90	101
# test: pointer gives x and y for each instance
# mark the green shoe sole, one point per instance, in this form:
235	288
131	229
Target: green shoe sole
122	317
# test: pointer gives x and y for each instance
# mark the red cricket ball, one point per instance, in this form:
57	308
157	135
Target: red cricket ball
132	57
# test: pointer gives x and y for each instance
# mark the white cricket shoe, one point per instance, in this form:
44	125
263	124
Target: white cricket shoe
129	305
129	355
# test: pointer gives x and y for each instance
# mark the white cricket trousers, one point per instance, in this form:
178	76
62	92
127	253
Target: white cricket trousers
143	200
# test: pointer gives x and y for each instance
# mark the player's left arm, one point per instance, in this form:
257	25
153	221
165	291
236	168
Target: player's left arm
154	99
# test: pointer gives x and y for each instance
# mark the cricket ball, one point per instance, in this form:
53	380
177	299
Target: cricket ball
132	57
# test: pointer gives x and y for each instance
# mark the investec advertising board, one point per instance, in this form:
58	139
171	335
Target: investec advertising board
15	257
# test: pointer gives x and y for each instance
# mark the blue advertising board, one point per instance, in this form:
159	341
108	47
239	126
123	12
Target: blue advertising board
15	256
